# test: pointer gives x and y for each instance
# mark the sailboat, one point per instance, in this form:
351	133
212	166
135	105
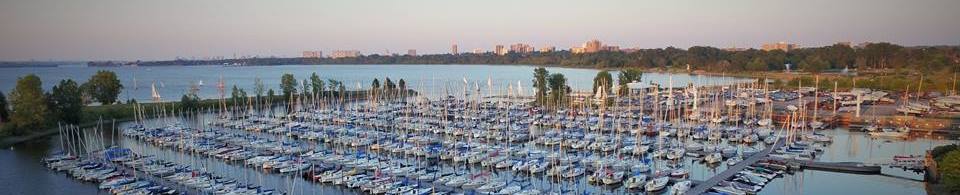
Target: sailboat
815	123
153	92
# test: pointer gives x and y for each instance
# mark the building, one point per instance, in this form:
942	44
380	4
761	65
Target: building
345	54
500	50
453	50
547	49
610	48
412	52
578	50
312	54
592	46
521	48
629	50
784	46
845	43
735	49
478	51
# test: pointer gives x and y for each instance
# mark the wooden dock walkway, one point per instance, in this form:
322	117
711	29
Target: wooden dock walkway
733	170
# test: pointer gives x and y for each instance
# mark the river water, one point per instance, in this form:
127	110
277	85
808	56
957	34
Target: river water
23	173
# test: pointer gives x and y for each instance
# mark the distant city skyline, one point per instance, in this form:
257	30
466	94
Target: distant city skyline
164	30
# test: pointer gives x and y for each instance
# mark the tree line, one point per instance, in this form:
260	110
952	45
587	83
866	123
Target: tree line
552	90
873	56
30	108
311	90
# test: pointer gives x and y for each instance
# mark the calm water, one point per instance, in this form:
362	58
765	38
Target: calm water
173	81
857	146
22	172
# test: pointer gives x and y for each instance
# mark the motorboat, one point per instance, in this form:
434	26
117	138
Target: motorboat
635	182
656	184
680	187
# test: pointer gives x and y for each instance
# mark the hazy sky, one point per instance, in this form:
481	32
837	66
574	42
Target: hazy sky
166	29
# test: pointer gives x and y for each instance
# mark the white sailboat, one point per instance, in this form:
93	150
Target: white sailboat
153	92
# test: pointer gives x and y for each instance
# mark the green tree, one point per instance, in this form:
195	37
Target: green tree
66	100
189	101
388	84
603	81
316	83
29	106
243	95
270	94
235	94
627	76
403	87
558	89
540	84
949	168
389	87
940	151
305	87
757	64
4	109
104	87
288	86
814	64
375	87
879	55
258	87
335	85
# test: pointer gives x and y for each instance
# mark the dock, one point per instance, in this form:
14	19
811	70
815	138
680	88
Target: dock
843	167
158	180
731	171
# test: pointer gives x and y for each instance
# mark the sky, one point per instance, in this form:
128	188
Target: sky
167	29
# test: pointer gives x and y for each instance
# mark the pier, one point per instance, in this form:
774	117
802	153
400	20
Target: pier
844	167
702	187
159	180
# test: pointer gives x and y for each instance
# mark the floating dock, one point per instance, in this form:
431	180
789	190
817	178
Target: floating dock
702	187
845	167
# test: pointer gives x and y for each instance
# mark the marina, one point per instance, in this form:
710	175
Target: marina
501	97
467	144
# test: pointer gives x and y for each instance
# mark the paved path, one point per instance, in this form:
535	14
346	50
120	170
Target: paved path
731	171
